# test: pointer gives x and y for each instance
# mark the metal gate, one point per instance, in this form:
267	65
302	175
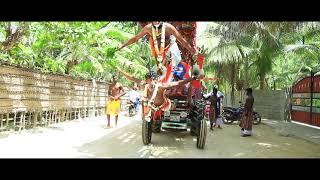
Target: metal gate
306	101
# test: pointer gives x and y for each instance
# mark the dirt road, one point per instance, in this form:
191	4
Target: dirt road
90	138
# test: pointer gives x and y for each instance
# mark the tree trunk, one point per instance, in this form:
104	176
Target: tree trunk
12	38
246	69
262	77
219	72
70	65
233	80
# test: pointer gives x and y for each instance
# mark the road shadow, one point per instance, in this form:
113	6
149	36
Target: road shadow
126	142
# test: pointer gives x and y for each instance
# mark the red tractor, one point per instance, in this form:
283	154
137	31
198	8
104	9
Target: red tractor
187	114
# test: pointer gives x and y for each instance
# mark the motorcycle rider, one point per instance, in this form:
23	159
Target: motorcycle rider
134	97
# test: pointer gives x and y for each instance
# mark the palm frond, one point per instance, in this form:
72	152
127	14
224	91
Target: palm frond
296	47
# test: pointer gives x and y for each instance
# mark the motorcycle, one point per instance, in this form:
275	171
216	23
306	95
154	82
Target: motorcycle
231	114
132	107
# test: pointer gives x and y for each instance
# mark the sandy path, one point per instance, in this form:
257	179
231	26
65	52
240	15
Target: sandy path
90	138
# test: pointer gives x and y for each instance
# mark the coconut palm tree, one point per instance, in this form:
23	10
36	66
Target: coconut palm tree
249	41
306	40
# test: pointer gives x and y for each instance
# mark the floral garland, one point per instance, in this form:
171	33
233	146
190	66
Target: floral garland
155	33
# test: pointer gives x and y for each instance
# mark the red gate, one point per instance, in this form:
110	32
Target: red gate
306	101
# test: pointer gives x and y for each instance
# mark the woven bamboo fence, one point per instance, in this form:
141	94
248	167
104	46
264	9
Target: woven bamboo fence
30	98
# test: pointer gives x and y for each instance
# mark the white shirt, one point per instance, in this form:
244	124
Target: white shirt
133	95
219	95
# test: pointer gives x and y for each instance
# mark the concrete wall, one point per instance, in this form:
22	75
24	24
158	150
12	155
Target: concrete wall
270	104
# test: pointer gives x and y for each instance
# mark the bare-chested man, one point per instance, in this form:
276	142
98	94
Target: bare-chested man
159	38
147	85
113	106
158	100
178	91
